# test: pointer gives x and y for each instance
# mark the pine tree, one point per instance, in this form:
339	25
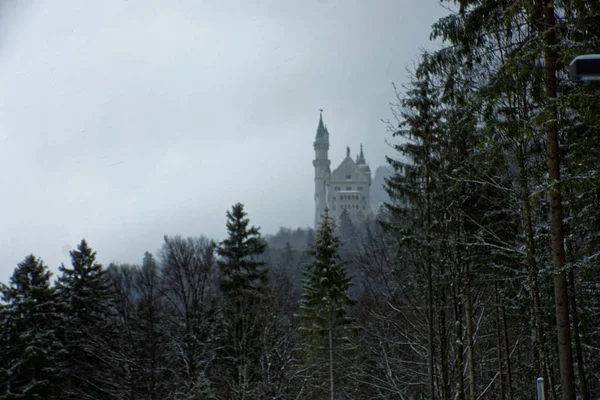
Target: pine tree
324	321
30	352
244	283
86	295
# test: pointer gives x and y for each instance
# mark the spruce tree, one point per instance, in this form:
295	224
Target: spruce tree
86	294
244	283
30	352
324	320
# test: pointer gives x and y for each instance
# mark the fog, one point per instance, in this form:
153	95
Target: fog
123	121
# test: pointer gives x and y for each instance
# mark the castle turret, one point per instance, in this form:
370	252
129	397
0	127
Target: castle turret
322	171
360	158
362	163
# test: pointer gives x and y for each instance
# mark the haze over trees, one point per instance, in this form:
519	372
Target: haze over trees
450	291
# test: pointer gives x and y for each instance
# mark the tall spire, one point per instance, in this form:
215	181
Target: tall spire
321	129
360	159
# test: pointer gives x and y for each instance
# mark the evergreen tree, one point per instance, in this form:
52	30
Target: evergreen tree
30	352
244	283
324	321
86	295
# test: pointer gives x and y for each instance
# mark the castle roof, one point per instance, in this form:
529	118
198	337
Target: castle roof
348	171
322	132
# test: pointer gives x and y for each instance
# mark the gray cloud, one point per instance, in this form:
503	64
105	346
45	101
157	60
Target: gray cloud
126	120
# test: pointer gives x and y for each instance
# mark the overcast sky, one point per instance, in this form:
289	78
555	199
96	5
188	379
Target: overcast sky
125	120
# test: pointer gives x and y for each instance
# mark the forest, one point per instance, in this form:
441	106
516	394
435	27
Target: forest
479	275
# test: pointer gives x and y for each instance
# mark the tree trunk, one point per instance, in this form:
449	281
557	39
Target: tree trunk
459	348
565	352
499	348
331	384
445	386
539	343
507	356
430	317
430	325
470	333
585	394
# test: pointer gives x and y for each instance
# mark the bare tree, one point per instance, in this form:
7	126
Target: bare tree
189	289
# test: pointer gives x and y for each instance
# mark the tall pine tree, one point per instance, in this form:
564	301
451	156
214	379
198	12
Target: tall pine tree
324	320
30	352
244	283
86	294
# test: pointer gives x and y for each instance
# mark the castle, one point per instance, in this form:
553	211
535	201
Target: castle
347	188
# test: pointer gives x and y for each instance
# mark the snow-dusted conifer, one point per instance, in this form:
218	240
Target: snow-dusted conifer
30	352
244	283
324	320
86	295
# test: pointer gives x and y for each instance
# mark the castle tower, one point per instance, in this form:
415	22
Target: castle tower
322	171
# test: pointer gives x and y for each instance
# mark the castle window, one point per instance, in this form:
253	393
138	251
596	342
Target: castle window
364	198
333	198
337	188
348	176
364	208
348	187
360	188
